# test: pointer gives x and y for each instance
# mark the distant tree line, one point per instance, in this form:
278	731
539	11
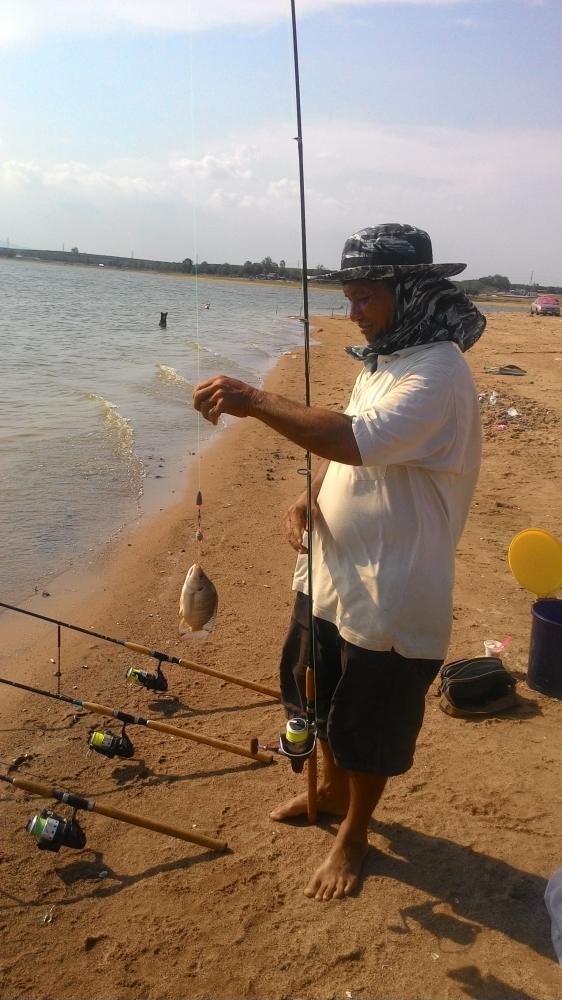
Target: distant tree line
491	284
266	268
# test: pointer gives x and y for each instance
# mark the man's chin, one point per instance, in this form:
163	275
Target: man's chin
370	336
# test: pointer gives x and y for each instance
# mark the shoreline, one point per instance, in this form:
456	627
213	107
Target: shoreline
79	588
319	286
460	847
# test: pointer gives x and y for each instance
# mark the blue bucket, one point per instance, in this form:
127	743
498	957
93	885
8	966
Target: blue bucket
544	673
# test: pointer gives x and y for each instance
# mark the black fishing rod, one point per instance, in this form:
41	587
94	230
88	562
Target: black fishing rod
111	750
156	654
309	745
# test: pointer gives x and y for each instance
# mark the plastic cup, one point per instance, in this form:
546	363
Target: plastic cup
492	647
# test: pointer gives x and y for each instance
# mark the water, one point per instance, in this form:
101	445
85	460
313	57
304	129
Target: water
486	308
96	418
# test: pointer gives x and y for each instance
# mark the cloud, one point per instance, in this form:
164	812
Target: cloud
490	198
27	20
212	166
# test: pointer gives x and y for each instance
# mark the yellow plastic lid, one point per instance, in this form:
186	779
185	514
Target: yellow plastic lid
535	559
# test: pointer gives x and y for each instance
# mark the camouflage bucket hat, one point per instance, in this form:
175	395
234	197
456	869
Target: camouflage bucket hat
390	250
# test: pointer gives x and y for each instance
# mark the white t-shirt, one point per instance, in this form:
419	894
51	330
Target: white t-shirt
385	536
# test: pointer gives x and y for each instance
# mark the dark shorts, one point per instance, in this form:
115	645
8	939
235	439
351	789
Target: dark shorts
369	705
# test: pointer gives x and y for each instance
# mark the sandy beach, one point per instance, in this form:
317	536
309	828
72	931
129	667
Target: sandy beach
452	900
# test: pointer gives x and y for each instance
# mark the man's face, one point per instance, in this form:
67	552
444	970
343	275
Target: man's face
372	306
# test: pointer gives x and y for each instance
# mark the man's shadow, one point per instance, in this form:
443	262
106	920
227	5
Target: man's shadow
482	891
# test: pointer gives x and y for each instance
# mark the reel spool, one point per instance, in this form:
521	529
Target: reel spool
152	682
106	743
297	742
52	832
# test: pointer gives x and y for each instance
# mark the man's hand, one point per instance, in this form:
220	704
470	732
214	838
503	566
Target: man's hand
295	523
222	394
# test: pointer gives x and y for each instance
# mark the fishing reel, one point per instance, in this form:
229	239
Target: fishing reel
152	682
106	743
297	742
52	832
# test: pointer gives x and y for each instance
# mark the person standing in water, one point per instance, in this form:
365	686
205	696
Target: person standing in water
390	502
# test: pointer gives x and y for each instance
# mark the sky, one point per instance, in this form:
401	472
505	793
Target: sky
165	128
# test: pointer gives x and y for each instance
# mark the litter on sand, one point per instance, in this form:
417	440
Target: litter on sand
505	370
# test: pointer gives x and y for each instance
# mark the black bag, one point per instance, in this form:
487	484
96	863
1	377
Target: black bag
477	686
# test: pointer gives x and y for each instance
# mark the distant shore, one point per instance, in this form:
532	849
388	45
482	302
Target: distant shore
319	286
172	269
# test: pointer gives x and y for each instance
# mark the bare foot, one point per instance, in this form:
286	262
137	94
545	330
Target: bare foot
338	876
330	800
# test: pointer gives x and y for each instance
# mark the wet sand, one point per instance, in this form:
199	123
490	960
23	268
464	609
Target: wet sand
461	846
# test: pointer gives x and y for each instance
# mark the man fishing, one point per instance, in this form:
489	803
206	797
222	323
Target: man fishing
390	502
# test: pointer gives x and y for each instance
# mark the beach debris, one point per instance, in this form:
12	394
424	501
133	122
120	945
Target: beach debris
492	647
512	412
505	370
198	603
493	397
21	759
47	918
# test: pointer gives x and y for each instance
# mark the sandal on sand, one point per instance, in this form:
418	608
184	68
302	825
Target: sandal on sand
505	370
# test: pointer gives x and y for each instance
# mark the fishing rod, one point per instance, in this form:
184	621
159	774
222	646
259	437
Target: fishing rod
299	741
52	831
153	682
111	749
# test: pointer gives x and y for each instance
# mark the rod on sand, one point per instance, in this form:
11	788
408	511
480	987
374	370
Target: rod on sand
156	654
138	720
90	805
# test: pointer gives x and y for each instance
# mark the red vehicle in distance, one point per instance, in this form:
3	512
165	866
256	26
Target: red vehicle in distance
545	305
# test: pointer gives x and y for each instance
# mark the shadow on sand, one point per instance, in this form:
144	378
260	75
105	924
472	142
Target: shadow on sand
482	891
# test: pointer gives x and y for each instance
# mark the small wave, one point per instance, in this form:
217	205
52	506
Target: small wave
168	374
199	347
122	436
261	349
211	357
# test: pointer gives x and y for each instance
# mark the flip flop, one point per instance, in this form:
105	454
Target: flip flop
505	370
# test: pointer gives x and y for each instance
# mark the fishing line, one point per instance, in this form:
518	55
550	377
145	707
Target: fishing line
199	497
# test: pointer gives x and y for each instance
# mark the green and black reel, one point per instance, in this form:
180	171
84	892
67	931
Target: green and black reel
297	742
152	682
108	744
51	831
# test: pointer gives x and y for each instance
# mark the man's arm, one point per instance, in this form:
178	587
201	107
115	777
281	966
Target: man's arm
323	432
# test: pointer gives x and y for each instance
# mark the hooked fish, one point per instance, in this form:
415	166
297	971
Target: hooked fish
198	602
